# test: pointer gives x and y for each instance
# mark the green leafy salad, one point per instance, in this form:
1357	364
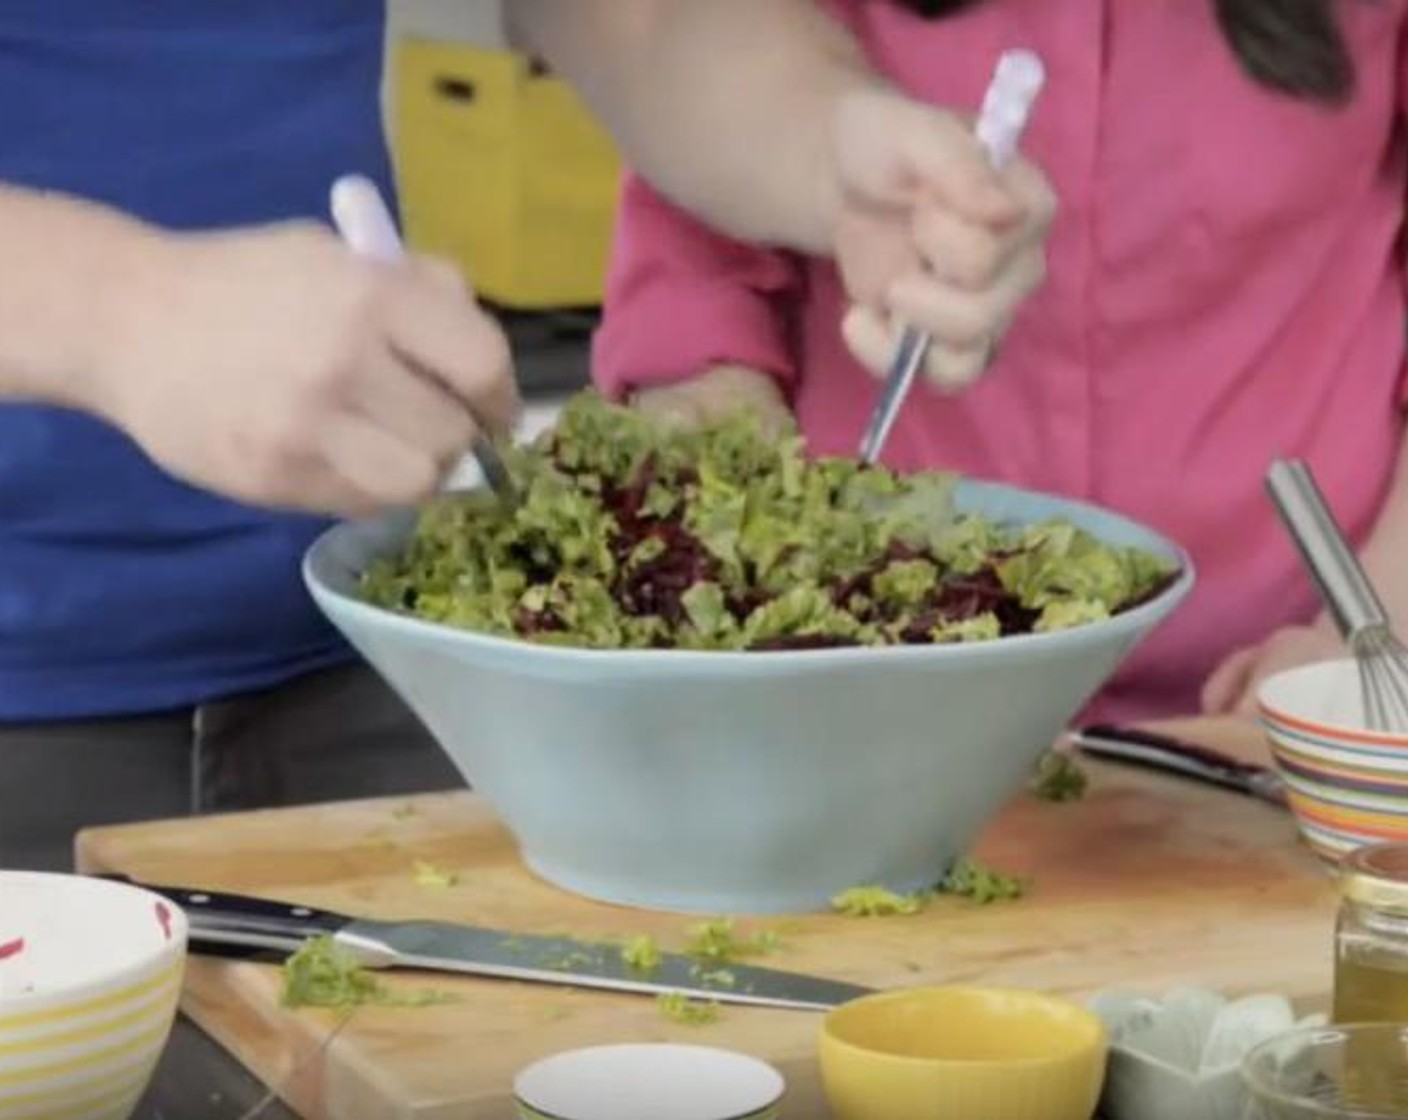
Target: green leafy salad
632	534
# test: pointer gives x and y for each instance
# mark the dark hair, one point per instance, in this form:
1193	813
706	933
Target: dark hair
1292	46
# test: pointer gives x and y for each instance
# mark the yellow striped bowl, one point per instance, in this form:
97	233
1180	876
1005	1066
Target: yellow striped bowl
1347	785
90	975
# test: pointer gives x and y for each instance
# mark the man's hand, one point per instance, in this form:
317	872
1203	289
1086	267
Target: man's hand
1232	687
928	234
276	367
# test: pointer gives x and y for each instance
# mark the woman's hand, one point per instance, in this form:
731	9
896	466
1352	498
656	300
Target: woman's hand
1232	687
928	234
275	366
714	394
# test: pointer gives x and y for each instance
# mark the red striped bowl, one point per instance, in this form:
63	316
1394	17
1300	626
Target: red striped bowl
1347	785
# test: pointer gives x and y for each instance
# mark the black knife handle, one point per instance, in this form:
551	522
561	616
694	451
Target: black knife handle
237	920
1177	747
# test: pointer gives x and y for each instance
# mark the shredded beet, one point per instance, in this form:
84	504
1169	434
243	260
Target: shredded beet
744	603
858	584
1157	588
898	552
964	597
10	949
655	586
801	641
625	503
538	622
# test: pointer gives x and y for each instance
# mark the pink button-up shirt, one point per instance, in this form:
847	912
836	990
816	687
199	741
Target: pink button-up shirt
1225	287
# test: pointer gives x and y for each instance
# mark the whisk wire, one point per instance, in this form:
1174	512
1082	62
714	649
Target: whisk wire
1383	660
1352	601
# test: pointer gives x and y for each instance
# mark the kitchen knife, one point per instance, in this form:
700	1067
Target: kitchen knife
238	921
1165	753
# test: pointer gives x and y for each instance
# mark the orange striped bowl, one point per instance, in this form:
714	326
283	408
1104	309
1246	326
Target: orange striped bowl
90	975
1347	786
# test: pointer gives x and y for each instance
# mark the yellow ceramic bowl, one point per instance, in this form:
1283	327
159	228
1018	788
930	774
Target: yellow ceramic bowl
975	1053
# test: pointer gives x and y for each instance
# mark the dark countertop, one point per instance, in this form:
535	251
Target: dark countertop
197	1080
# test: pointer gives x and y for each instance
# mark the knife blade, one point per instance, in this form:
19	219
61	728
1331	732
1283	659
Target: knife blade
1149	749
233	920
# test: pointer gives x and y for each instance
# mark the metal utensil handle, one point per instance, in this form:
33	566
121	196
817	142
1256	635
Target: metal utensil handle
1332	563
1006	108
904	368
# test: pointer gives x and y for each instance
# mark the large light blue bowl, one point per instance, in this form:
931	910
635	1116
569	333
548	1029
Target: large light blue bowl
742	783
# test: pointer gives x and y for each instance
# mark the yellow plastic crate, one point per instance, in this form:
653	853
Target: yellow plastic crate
503	170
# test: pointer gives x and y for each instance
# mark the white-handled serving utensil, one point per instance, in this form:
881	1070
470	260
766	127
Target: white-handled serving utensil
364	222
1007	106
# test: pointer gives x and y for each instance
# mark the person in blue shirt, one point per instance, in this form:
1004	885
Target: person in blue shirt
195	374
202	374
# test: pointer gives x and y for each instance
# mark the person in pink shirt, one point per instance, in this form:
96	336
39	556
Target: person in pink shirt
1224	286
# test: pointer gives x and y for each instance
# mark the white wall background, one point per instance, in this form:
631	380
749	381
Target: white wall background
478	21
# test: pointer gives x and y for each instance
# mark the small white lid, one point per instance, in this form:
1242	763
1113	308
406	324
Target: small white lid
649	1081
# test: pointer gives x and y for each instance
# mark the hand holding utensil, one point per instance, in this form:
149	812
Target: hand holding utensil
1018	80
365	224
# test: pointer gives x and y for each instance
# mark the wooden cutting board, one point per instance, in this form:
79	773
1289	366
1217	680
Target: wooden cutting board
1148	882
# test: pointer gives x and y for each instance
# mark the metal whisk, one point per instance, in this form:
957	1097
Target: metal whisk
1351	598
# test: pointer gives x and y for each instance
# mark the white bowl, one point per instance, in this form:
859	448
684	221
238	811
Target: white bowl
1180	1057
726	782
649	1081
90	976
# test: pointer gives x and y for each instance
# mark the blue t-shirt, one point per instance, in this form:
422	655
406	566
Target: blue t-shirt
123	591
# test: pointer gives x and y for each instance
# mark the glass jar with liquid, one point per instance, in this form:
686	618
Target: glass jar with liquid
1371	936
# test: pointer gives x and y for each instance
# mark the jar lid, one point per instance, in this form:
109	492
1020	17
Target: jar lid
1377	875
